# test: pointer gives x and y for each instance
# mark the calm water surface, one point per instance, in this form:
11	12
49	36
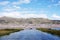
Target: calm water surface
56	28
29	35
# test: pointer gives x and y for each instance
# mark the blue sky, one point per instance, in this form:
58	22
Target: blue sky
30	9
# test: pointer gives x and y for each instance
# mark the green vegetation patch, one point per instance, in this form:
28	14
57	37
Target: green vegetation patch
8	31
51	31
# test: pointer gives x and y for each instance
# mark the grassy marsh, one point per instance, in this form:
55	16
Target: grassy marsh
8	31
51	31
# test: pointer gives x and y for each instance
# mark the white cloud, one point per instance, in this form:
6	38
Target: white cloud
23	15
27	1
42	15
34	16
17	7
4	3
19	2
56	17
15	2
8	9
11	8
24	1
11	14
11	11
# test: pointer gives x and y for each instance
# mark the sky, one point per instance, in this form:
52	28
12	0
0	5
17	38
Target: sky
30	9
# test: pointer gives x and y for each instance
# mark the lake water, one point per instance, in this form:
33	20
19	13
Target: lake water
55	28
29	35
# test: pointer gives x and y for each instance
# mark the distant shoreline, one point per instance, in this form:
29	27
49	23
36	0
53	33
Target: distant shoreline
13	26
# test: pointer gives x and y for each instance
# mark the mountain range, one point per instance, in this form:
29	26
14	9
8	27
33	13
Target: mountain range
19	22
